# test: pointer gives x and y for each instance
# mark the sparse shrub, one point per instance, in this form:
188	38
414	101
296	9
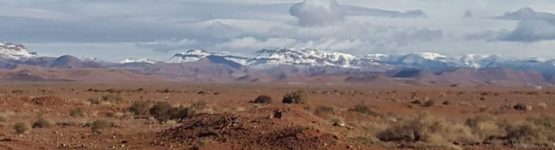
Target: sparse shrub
484	127
140	108
21	128
163	111
70	123
546	124
363	109
99	125
324	110
263	99
526	133
94	101
298	97
416	102
160	111
425	128
199	105
111	98
429	103
3	119
42	123
78	112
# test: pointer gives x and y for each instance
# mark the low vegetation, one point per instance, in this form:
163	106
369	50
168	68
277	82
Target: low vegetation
363	109
106	99
141	108
3	120
163	111
428	130
22	128
297	97
99	125
77	112
42	123
263	99
324	110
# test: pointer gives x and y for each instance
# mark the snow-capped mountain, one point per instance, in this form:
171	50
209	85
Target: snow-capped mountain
14	51
196	55
309	57
138	60
266	57
430	61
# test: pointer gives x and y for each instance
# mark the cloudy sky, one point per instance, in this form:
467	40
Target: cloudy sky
117	29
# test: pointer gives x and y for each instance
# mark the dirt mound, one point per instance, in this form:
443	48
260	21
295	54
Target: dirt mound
270	128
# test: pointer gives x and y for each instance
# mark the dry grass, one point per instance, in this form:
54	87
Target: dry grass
77	112
425	129
141	108
363	109
100	125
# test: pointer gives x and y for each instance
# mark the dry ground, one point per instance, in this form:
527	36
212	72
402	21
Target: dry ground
335	117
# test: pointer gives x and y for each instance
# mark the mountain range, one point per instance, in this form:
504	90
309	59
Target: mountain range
290	66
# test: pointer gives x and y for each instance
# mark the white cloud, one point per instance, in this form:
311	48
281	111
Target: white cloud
251	43
532	26
355	26
318	12
169	45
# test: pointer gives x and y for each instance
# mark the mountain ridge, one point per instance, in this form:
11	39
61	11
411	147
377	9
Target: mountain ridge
293	65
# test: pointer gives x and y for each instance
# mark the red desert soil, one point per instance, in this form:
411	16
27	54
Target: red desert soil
280	127
230	121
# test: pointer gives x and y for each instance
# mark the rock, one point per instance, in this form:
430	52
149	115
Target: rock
339	124
522	107
416	102
542	105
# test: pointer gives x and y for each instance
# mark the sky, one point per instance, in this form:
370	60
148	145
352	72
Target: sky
117	29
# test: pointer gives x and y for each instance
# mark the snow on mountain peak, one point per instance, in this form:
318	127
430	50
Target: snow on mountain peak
189	56
315	57
14	51
196	55
138	60
431	55
312	57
